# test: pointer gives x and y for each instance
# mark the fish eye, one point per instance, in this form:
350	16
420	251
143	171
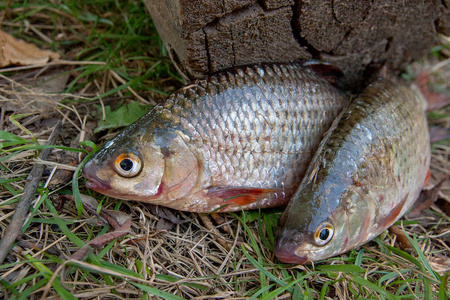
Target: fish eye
128	164
324	233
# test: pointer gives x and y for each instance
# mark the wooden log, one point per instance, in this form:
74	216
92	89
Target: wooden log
361	36
358	36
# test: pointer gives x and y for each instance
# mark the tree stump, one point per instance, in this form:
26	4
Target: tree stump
357	36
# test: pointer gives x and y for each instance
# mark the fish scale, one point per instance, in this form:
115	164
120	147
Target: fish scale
366	174
255	163
240	139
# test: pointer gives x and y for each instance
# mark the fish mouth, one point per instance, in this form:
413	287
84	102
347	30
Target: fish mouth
97	185
285	251
94	183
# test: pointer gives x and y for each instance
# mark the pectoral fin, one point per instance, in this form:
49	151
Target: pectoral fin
240	195
393	215
427	178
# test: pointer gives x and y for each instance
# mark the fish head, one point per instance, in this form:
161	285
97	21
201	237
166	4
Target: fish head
310	229
127	167
152	165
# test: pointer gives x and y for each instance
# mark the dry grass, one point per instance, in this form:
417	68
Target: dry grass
190	260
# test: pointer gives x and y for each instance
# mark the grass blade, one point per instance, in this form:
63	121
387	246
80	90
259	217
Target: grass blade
261	268
156	292
75	188
359	258
12	137
348	269
425	266
366	283
261	291
14	118
287	287
443	287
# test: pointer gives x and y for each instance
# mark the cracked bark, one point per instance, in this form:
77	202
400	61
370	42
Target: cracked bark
358	36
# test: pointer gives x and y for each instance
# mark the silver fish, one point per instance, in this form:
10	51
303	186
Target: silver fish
366	174
241	139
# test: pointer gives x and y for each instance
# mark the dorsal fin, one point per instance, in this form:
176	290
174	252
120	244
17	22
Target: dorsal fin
327	71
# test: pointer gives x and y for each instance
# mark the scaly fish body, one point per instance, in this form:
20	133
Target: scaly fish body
366	174
238	140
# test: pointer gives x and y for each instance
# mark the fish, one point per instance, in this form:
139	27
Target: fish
239	139
367	172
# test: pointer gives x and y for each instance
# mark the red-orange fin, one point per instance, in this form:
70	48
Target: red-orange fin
427	178
240	195
392	216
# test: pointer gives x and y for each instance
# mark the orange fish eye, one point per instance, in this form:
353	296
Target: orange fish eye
324	233
128	164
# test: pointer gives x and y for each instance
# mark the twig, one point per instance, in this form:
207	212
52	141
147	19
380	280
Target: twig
5	12
401	237
209	225
56	62
219	219
2	117
12	232
120	221
122	81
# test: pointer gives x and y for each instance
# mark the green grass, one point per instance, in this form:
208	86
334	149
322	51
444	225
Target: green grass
118	33
366	276
186	261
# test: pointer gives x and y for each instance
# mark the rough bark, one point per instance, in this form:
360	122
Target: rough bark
358	36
